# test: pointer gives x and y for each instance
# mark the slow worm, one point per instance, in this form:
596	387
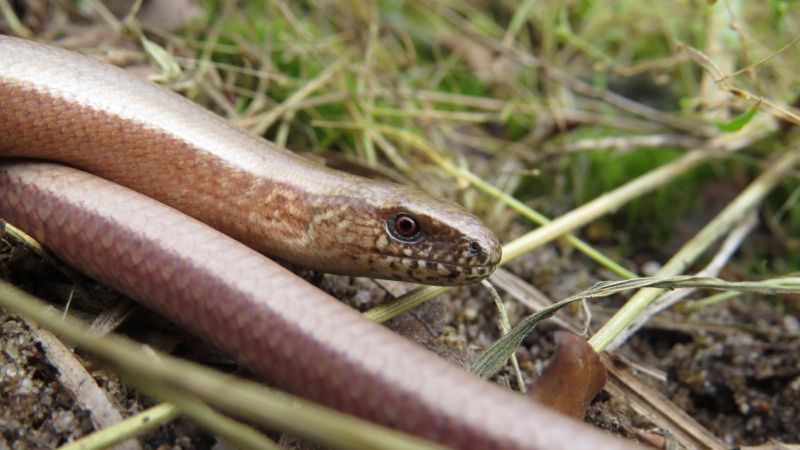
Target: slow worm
63	107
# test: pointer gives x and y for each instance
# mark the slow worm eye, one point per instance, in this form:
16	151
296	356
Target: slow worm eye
404	227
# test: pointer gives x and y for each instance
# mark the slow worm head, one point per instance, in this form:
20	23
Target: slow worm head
72	109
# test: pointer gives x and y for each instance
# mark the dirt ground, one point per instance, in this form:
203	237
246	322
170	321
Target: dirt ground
735	368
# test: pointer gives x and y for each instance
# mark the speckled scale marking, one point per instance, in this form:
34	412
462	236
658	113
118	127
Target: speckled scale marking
296	335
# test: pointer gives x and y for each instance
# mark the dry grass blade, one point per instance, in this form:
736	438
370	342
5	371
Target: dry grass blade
495	357
713	231
626	384
576	218
505	327
627	143
263	122
190	383
721	259
623	381
131	427
81	386
779	112
784	285
13	21
575	83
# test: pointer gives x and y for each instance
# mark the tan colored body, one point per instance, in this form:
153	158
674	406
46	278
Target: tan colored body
164	146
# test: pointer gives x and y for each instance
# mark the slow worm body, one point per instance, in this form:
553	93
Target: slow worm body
60	106
168	148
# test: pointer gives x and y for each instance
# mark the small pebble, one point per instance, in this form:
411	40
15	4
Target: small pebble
650	268
62	420
791	324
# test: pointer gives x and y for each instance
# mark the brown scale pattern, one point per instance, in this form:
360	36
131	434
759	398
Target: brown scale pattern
276	218
62	106
159	165
294	334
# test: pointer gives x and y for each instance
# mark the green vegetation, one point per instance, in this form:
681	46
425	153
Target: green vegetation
482	82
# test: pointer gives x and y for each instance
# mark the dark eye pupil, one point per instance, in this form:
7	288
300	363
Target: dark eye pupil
405	225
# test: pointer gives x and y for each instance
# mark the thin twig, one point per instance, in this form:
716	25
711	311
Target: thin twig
726	251
723	222
83	389
153	371
582	215
623	143
505	326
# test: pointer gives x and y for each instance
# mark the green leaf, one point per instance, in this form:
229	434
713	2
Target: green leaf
737	123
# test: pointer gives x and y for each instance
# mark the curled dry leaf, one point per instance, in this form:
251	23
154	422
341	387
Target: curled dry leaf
572	378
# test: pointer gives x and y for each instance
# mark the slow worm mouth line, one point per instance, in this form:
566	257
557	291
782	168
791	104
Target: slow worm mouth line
449	265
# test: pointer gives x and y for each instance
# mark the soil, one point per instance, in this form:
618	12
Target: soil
742	384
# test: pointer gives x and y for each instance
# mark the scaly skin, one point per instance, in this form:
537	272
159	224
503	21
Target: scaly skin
294	334
55	105
162	145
